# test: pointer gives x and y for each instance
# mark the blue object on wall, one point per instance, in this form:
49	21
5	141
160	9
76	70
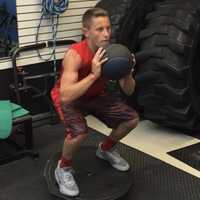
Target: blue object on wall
8	22
10	5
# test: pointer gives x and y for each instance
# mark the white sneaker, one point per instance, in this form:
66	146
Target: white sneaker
114	158
66	181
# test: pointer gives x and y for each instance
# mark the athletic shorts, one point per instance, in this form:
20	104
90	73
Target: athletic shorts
111	110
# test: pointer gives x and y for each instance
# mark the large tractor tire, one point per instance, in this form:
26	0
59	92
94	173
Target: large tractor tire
168	85
133	22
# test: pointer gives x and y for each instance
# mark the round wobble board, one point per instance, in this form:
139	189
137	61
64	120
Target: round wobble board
97	180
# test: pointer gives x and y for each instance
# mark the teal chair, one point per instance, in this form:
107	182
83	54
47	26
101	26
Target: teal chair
15	120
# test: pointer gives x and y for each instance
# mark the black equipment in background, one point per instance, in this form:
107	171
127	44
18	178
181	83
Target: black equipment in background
26	81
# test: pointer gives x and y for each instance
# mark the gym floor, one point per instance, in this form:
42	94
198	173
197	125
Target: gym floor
157	175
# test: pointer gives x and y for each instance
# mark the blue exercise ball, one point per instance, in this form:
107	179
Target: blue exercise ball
119	63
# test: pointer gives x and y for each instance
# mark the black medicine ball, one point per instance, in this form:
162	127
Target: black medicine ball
119	63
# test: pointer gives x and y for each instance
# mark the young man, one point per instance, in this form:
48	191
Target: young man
82	88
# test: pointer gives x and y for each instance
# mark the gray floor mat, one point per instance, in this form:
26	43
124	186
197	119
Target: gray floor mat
189	155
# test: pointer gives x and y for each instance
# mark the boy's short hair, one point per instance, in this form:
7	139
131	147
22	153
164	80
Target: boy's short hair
93	12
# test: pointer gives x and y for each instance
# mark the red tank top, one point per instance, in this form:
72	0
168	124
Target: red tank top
98	87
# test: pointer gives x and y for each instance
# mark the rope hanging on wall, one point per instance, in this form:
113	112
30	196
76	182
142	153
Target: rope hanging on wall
51	9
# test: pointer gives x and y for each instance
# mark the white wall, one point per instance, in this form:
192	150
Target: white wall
28	17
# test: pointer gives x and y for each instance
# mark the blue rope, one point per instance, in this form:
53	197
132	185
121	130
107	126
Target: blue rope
52	10
56	8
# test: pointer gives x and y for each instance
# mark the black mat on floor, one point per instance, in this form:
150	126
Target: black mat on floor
90	174
189	155
153	179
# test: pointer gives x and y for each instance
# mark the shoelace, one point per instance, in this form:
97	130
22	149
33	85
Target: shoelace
68	178
118	159
116	156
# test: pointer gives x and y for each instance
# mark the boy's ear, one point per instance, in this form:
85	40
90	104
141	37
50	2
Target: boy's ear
85	31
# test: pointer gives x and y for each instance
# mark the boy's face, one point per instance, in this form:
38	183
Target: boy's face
99	32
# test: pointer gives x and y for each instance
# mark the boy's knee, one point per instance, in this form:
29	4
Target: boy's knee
80	137
134	122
